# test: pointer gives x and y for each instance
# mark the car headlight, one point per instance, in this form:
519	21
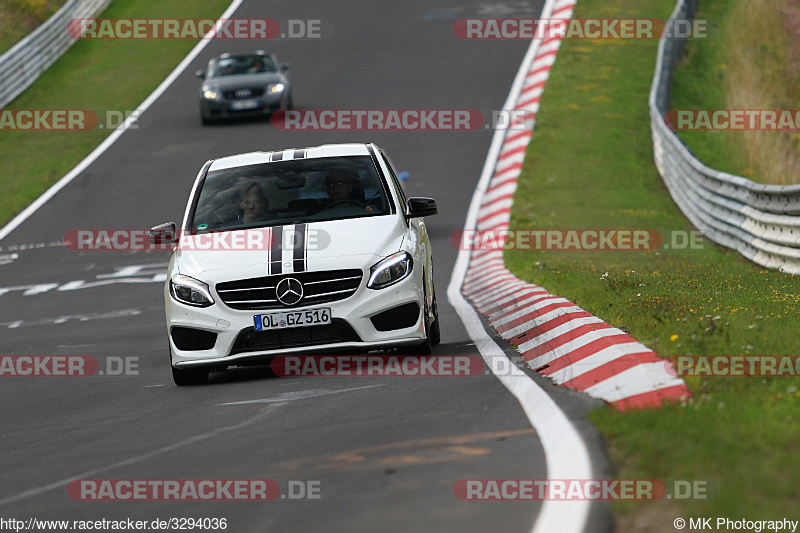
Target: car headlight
190	291
275	88
210	94
390	270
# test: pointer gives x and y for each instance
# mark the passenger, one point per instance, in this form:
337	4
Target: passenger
253	204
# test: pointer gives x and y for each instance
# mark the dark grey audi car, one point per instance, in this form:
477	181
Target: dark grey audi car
240	85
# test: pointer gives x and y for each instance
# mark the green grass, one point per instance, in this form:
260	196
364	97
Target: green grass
98	75
20	17
590	165
749	61
699	83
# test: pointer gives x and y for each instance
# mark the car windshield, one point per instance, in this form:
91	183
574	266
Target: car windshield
290	192
235	65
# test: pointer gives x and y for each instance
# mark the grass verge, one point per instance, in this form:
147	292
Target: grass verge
98	75
20	17
750	61
590	165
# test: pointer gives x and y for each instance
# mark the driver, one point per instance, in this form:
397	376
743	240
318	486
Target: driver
339	187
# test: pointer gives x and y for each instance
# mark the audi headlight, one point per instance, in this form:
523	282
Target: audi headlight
190	291
210	94
275	88
390	270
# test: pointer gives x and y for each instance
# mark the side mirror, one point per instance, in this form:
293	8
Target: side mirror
421	207
285	67
200	74
163	234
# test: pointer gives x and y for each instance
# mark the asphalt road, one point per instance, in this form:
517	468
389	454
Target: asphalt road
387	451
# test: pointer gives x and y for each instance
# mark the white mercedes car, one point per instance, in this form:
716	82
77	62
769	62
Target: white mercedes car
297	251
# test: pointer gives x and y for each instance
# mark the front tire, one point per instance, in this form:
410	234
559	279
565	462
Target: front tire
435	334
189	376
432	334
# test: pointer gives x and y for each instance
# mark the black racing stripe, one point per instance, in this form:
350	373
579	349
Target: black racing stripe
299	154
277	156
299	255
276	251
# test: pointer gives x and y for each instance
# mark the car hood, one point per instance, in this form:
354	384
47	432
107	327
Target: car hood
245	80
335	244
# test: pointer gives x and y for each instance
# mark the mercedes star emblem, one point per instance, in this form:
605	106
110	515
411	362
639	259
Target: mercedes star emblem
289	291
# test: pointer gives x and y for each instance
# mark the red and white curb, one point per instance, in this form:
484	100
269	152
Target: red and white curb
555	337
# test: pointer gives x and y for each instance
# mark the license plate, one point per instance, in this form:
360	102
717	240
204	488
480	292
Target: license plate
293	319
244	104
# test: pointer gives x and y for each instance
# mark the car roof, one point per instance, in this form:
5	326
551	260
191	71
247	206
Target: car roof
313	152
228	55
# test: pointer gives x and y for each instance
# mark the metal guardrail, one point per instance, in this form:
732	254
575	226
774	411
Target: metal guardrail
762	222
25	61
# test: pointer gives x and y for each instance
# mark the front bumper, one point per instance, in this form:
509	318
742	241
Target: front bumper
353	313
224	108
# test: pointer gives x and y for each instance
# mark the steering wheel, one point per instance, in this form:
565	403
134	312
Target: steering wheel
343	201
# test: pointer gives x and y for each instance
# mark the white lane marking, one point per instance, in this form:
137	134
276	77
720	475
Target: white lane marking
263	413
65	318
151	273
136	270
8	258
117	133
33	246
566	455
300	395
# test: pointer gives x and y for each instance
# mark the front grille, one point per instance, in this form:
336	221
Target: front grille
243	93
250	340
318	288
